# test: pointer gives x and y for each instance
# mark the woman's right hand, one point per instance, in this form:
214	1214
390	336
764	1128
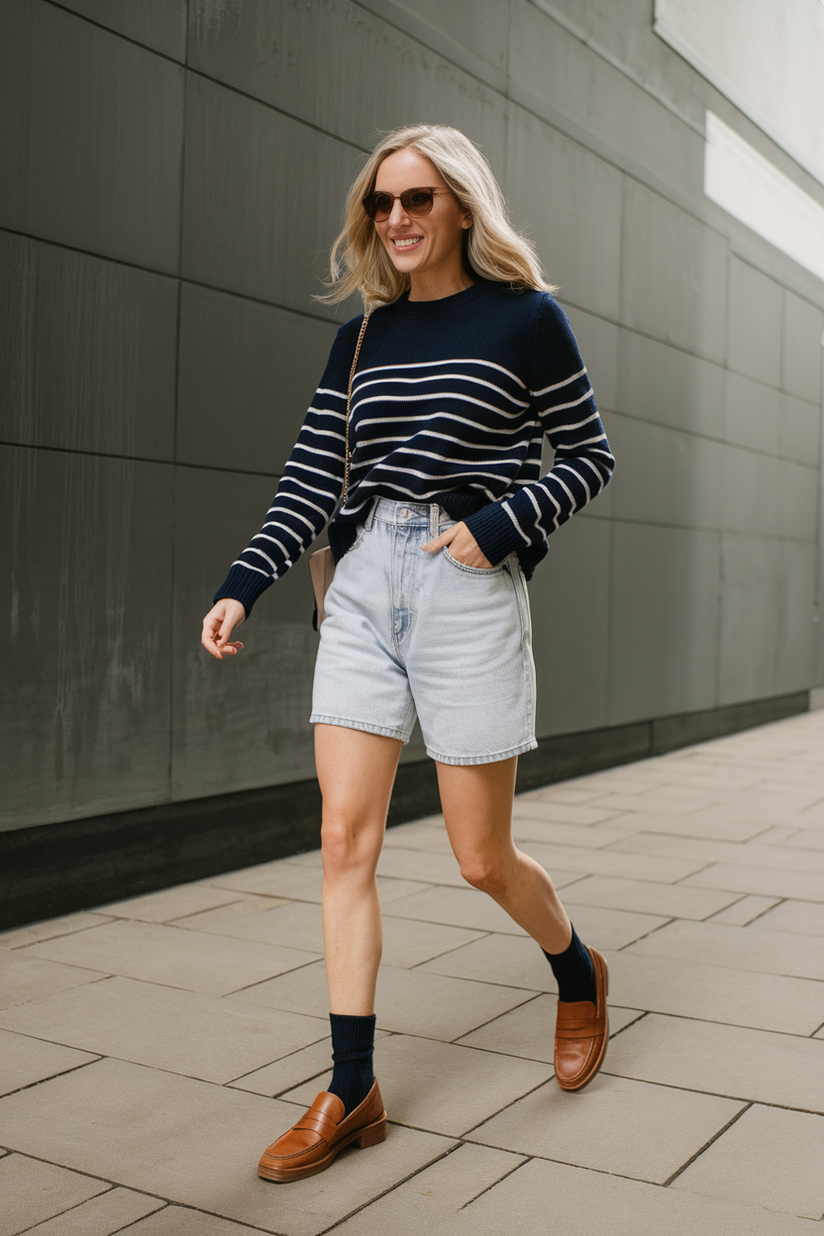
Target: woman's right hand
218	626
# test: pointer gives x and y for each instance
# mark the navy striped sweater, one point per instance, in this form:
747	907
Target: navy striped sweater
450	404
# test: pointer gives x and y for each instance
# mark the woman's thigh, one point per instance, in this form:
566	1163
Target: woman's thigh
477	807
356	772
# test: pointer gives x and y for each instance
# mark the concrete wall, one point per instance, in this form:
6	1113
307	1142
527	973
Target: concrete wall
173	175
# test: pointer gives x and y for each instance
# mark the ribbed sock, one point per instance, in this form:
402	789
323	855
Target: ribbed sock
573	971
353	1042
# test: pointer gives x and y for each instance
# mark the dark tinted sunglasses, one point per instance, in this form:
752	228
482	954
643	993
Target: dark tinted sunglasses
416	202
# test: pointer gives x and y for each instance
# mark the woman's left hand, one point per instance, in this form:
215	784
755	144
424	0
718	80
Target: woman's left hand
462	547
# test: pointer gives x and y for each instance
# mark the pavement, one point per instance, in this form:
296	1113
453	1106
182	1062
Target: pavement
150	1049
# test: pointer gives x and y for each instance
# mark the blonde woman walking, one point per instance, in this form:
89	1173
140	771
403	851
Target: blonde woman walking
465	364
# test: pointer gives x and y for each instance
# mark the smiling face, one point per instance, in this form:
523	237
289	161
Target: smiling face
427	248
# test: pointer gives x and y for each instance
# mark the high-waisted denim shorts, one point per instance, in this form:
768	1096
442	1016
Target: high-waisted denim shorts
408	632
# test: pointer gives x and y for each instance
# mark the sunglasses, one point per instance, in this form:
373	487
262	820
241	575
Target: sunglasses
416	202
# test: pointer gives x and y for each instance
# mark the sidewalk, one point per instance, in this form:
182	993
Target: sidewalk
141	1043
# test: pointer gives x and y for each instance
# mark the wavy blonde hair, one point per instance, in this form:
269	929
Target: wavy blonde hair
494	250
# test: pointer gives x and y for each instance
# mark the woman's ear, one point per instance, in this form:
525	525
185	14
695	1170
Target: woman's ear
467	221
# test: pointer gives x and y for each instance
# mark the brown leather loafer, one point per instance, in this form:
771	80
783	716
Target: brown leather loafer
312	1143
582	1032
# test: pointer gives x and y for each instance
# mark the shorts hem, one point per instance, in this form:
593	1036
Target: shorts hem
482	759
365	727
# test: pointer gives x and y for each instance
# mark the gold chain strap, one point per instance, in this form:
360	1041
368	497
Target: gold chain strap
347	456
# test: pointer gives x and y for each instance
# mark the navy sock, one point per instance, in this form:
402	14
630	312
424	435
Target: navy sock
353	1042
574	971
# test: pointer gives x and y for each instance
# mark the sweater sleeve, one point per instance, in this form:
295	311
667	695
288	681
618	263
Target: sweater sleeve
561	396
310	487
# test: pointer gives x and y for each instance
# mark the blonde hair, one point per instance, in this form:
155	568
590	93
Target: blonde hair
494	250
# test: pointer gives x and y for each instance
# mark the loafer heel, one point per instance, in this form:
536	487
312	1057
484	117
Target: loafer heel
373	1135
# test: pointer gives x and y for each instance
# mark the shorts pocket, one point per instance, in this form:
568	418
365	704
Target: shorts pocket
470	570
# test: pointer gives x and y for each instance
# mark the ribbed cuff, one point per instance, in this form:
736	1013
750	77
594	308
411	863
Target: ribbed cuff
244	586
495	533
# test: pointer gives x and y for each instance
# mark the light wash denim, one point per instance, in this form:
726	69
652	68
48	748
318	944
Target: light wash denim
408	632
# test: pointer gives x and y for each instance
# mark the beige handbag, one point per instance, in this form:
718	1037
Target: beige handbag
321	563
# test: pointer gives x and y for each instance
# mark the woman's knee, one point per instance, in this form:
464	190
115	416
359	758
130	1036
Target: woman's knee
347	846
488	874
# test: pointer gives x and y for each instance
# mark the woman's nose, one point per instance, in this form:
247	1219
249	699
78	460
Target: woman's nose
397	215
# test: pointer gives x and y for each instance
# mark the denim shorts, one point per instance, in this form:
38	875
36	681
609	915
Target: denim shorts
411	633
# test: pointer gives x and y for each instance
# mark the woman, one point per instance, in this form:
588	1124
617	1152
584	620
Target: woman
466	362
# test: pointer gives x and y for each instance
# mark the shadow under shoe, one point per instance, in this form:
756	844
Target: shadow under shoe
310	1145
582	1032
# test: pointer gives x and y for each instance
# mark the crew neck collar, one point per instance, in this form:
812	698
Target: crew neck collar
444	304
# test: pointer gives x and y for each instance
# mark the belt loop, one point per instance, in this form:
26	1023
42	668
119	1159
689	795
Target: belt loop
367	523
434	520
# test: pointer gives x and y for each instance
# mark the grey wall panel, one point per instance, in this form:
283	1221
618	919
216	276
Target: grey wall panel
570	601
666	477
477	27
768	497
91	129
752	414
263	198
87	352
802	341
674	275
86	569
766	618
598	342
569	203
337	66
754	323
663	384
664	621
800	430
159	24
241	722
247	376
556	75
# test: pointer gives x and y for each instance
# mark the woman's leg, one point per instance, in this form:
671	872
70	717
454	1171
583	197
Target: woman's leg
477	807
356	772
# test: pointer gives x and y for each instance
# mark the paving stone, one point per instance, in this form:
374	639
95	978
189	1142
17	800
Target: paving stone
805	917
461	907
177	1221
441	1087
751	854
408	942
24	1060
589	1128
745	911
711	824
181	1031
526	828
715	993
529	1030
171	956
806	839
769	1157
549	809
408	1001
213	920
273	1079
198	1144
33	1191
612	862
423	865
563	792
513	961
25	977
289	924
170	903
580	1203
419	836
391	889
805	886
101	1216
726	1060
278	879
647	802
434	1197
49	928
647	897
739	948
